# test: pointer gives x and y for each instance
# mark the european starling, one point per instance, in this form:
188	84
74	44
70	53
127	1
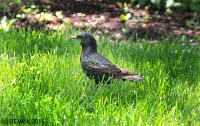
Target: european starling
97	67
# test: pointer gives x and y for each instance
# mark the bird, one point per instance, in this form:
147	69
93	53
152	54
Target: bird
96	66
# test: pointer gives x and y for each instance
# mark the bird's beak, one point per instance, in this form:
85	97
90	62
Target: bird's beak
73	37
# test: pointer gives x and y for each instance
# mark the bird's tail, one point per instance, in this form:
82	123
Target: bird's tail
127	75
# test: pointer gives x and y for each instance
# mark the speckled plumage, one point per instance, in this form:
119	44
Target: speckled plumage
97	67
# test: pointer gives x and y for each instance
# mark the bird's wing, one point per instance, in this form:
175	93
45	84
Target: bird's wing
99	64
109	68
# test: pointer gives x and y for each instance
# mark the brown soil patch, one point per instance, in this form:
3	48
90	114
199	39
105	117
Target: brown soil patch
105	17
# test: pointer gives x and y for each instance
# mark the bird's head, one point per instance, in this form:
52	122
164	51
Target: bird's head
87	41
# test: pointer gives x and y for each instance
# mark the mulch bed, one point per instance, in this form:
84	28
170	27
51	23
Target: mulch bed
104	16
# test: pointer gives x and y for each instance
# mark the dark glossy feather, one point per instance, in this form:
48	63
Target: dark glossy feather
97	67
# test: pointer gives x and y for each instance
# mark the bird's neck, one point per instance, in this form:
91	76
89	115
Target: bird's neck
88	49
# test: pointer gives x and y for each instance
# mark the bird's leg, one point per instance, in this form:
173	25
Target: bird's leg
98	84
96	81
108	80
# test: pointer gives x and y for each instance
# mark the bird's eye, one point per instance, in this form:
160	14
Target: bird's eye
79	37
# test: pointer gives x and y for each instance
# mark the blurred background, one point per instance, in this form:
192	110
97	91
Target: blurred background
154	19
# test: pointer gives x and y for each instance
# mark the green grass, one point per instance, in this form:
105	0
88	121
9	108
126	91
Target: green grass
41	78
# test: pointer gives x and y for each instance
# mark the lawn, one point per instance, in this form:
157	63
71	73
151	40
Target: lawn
41	81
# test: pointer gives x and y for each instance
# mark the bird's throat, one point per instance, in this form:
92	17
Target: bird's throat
88	49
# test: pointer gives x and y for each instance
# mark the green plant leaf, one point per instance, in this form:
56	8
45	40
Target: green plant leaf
122	17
